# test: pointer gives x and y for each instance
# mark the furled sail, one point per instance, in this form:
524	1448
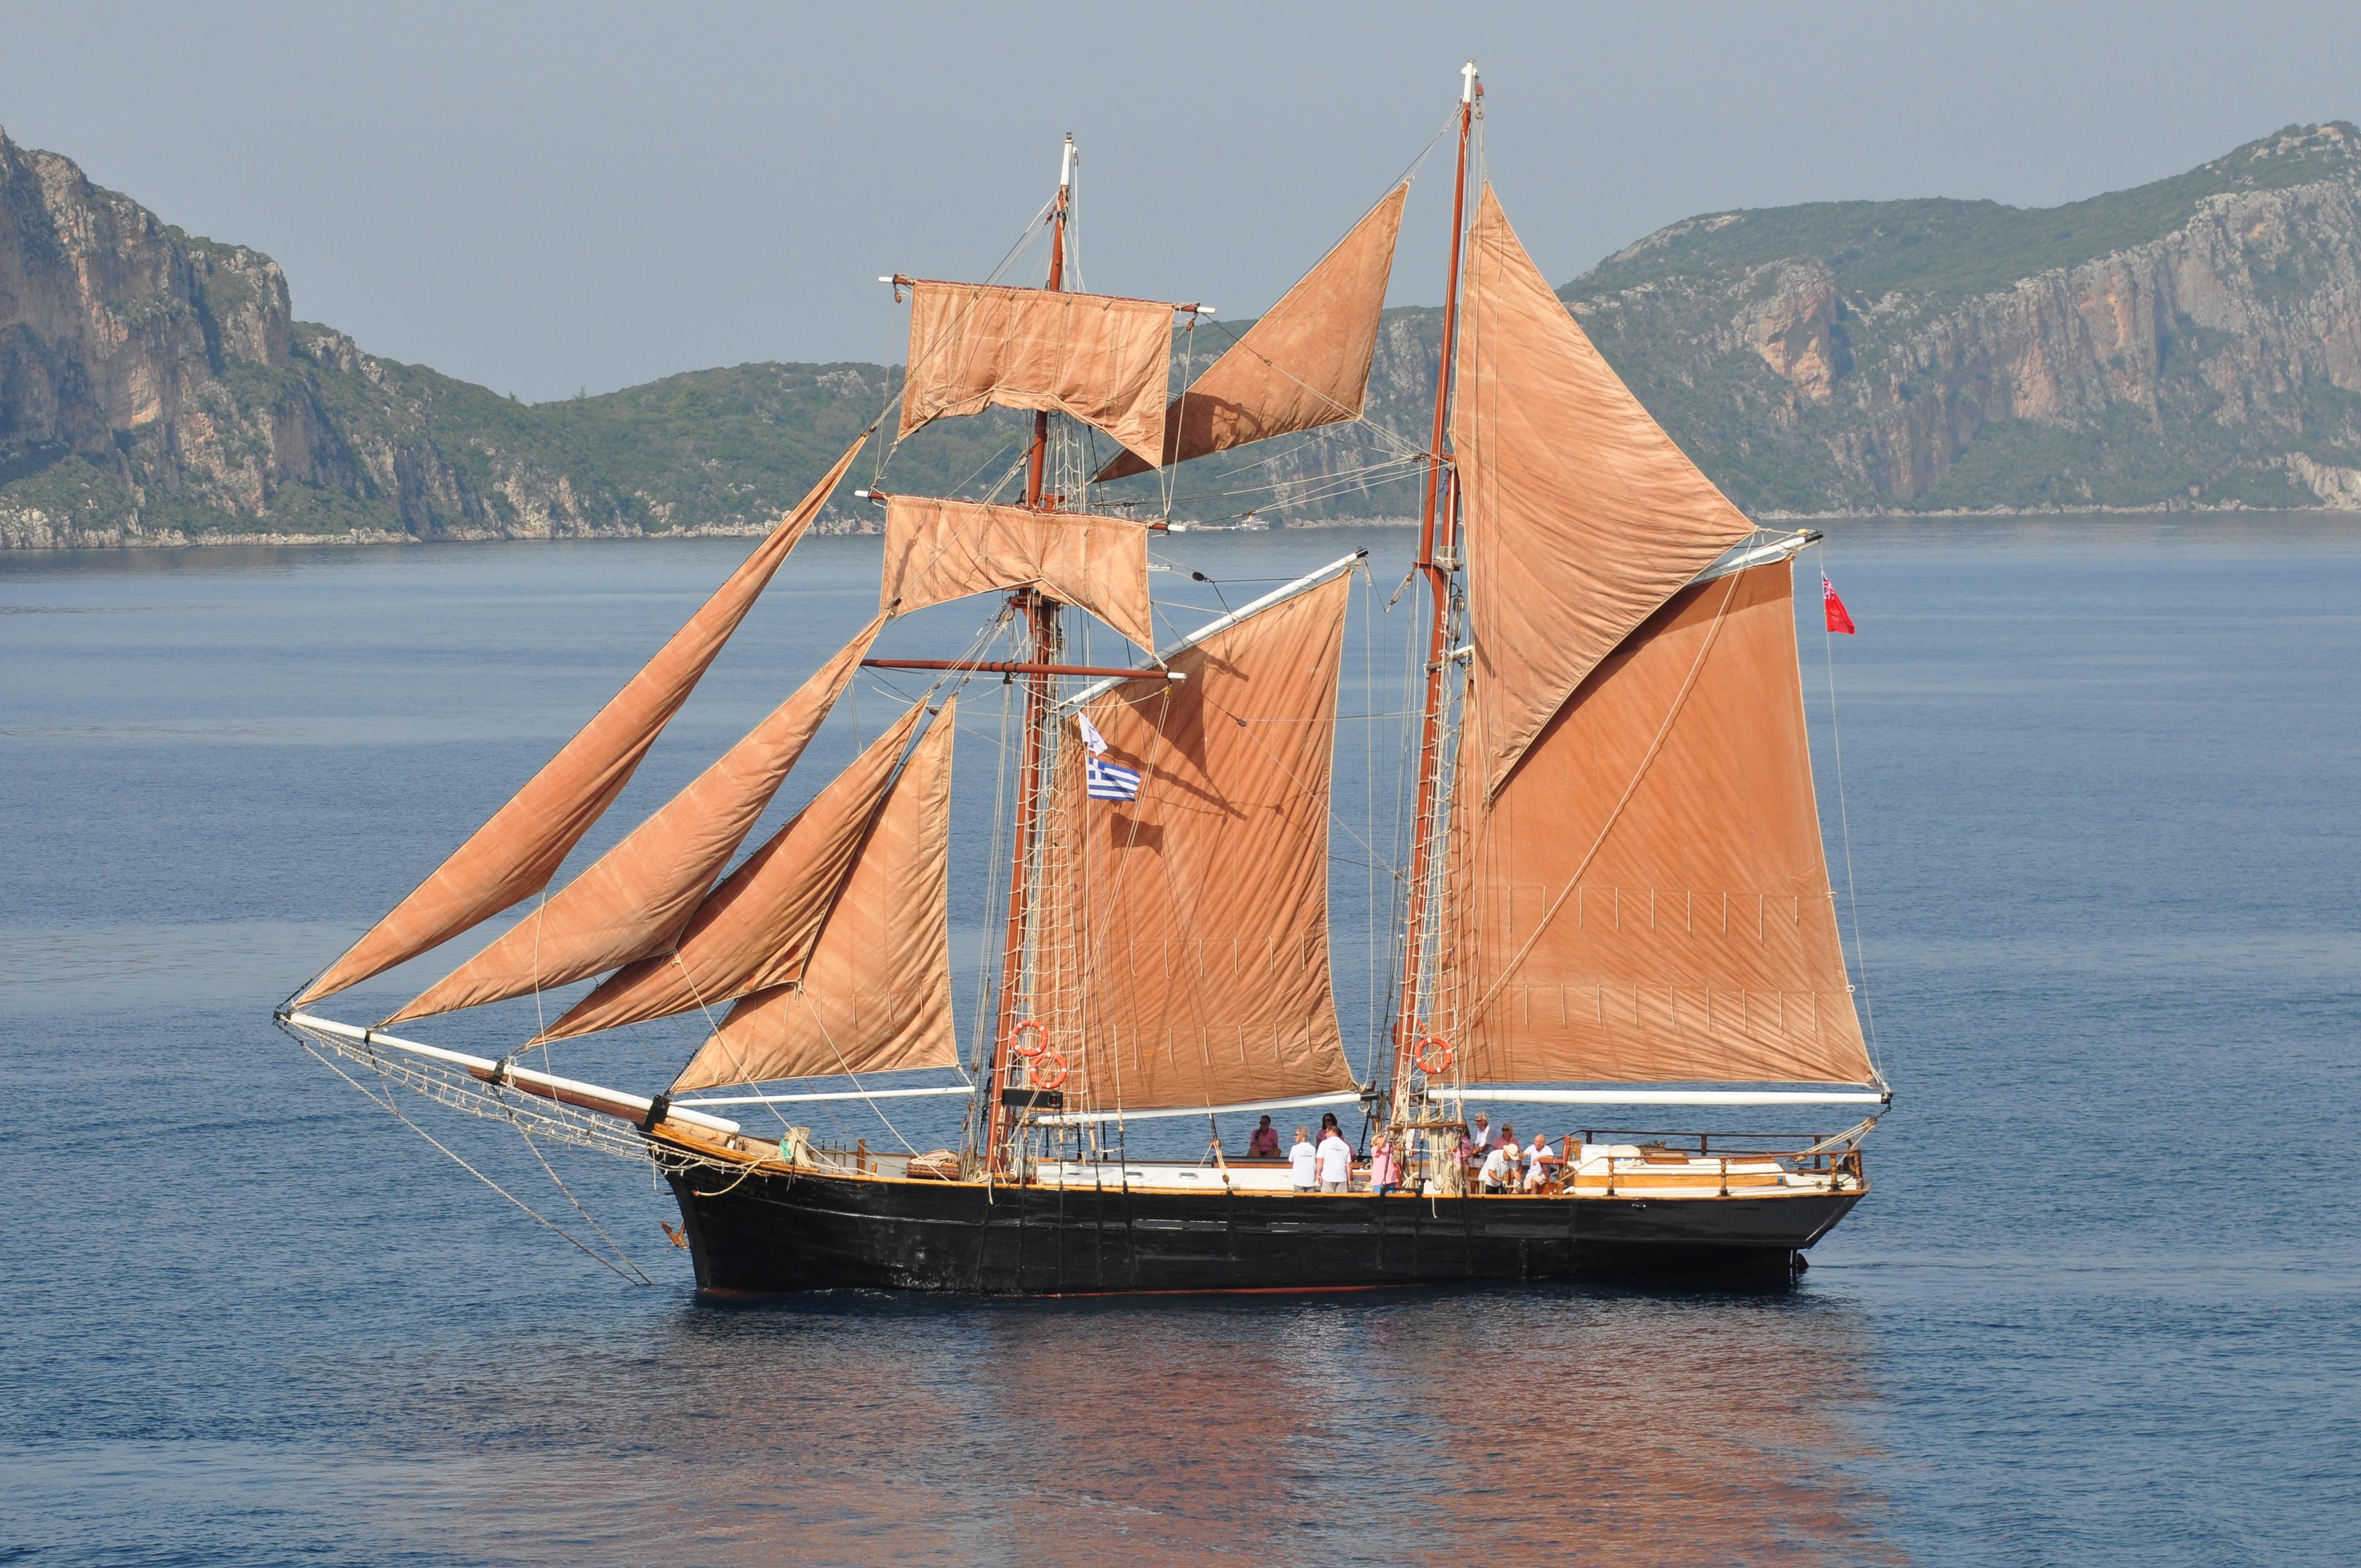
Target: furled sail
637	897
876	996
512	857
755	930
1303	365
1188	942
938	549
1646	900
1581	515
1102	359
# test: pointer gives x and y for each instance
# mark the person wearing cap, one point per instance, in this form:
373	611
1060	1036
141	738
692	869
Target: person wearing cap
1496	1173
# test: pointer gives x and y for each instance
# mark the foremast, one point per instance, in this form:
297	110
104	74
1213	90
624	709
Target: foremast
1438	563
1040	641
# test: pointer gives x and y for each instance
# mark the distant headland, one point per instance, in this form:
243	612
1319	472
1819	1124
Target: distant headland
2193	343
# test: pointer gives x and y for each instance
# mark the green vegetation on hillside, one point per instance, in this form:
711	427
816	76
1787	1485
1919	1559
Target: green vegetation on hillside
1953	248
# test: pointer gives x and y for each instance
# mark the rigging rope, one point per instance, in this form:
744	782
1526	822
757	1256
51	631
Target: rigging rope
1844	834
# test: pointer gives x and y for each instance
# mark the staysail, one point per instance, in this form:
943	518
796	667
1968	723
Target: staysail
1102	359
1646	900
512	857
876	996
1188	964
634	899
1304	364
755	930
1557	463
939	550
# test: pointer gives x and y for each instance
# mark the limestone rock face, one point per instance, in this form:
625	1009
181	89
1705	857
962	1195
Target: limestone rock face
2206	353
155	389
109	320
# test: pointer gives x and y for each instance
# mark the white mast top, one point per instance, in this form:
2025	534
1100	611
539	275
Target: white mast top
1066	164
1468	82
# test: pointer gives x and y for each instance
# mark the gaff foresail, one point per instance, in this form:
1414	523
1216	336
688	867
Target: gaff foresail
756	930
637	897
1102	359
1646	900
1187	940
876	996
1304	364
1557	463
939	550
512	857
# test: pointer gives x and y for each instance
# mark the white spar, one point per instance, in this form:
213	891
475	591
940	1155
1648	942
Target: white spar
573	1091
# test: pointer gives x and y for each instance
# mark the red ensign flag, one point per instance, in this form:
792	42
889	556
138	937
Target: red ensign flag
1838	620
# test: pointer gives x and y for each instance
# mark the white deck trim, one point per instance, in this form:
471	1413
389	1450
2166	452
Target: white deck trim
1509	1095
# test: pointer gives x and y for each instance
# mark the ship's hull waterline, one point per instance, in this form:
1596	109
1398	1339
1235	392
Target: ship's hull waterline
775	1231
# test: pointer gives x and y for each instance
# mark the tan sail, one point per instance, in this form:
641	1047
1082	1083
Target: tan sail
1189	948
635	899
756	930
1303	365
1646	900
512	857
939	550
876	996
1104	360
1560	468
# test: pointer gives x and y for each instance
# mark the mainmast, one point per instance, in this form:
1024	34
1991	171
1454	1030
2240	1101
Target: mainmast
1040	641
1438	525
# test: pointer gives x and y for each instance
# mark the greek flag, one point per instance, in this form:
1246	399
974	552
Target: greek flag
1107	782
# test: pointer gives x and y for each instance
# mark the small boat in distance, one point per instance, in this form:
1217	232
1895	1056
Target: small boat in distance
1612	889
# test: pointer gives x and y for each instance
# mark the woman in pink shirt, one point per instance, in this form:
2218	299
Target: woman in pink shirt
1385	1167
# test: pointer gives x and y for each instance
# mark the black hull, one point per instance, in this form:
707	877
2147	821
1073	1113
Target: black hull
772	1233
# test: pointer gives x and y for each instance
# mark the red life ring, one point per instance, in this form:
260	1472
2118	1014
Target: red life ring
1433	1055
1048	1070
1016	1038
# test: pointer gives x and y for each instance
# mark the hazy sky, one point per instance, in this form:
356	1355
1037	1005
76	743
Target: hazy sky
549	197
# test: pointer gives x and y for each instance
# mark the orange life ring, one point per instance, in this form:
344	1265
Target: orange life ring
1433	1055
1016	1038
1048	1070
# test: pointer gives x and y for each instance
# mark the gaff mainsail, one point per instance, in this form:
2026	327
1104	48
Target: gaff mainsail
1184	944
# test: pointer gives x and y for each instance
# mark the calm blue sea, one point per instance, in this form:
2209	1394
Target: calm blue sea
2103	783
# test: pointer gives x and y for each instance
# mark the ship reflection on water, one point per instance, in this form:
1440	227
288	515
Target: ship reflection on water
1478	1425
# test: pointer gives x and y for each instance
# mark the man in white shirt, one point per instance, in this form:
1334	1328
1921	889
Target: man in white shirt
1495	1173
1538	1160
1335	1163
1303	1159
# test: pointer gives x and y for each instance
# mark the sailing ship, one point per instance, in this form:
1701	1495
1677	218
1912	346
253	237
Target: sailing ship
1615	893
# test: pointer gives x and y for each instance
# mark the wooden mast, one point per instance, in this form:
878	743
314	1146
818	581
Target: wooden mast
1038	615
1426	843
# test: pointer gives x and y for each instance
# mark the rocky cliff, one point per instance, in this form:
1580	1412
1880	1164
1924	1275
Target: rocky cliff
155	389
2194	343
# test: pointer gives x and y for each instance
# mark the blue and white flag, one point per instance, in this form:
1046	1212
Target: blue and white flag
1105	781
